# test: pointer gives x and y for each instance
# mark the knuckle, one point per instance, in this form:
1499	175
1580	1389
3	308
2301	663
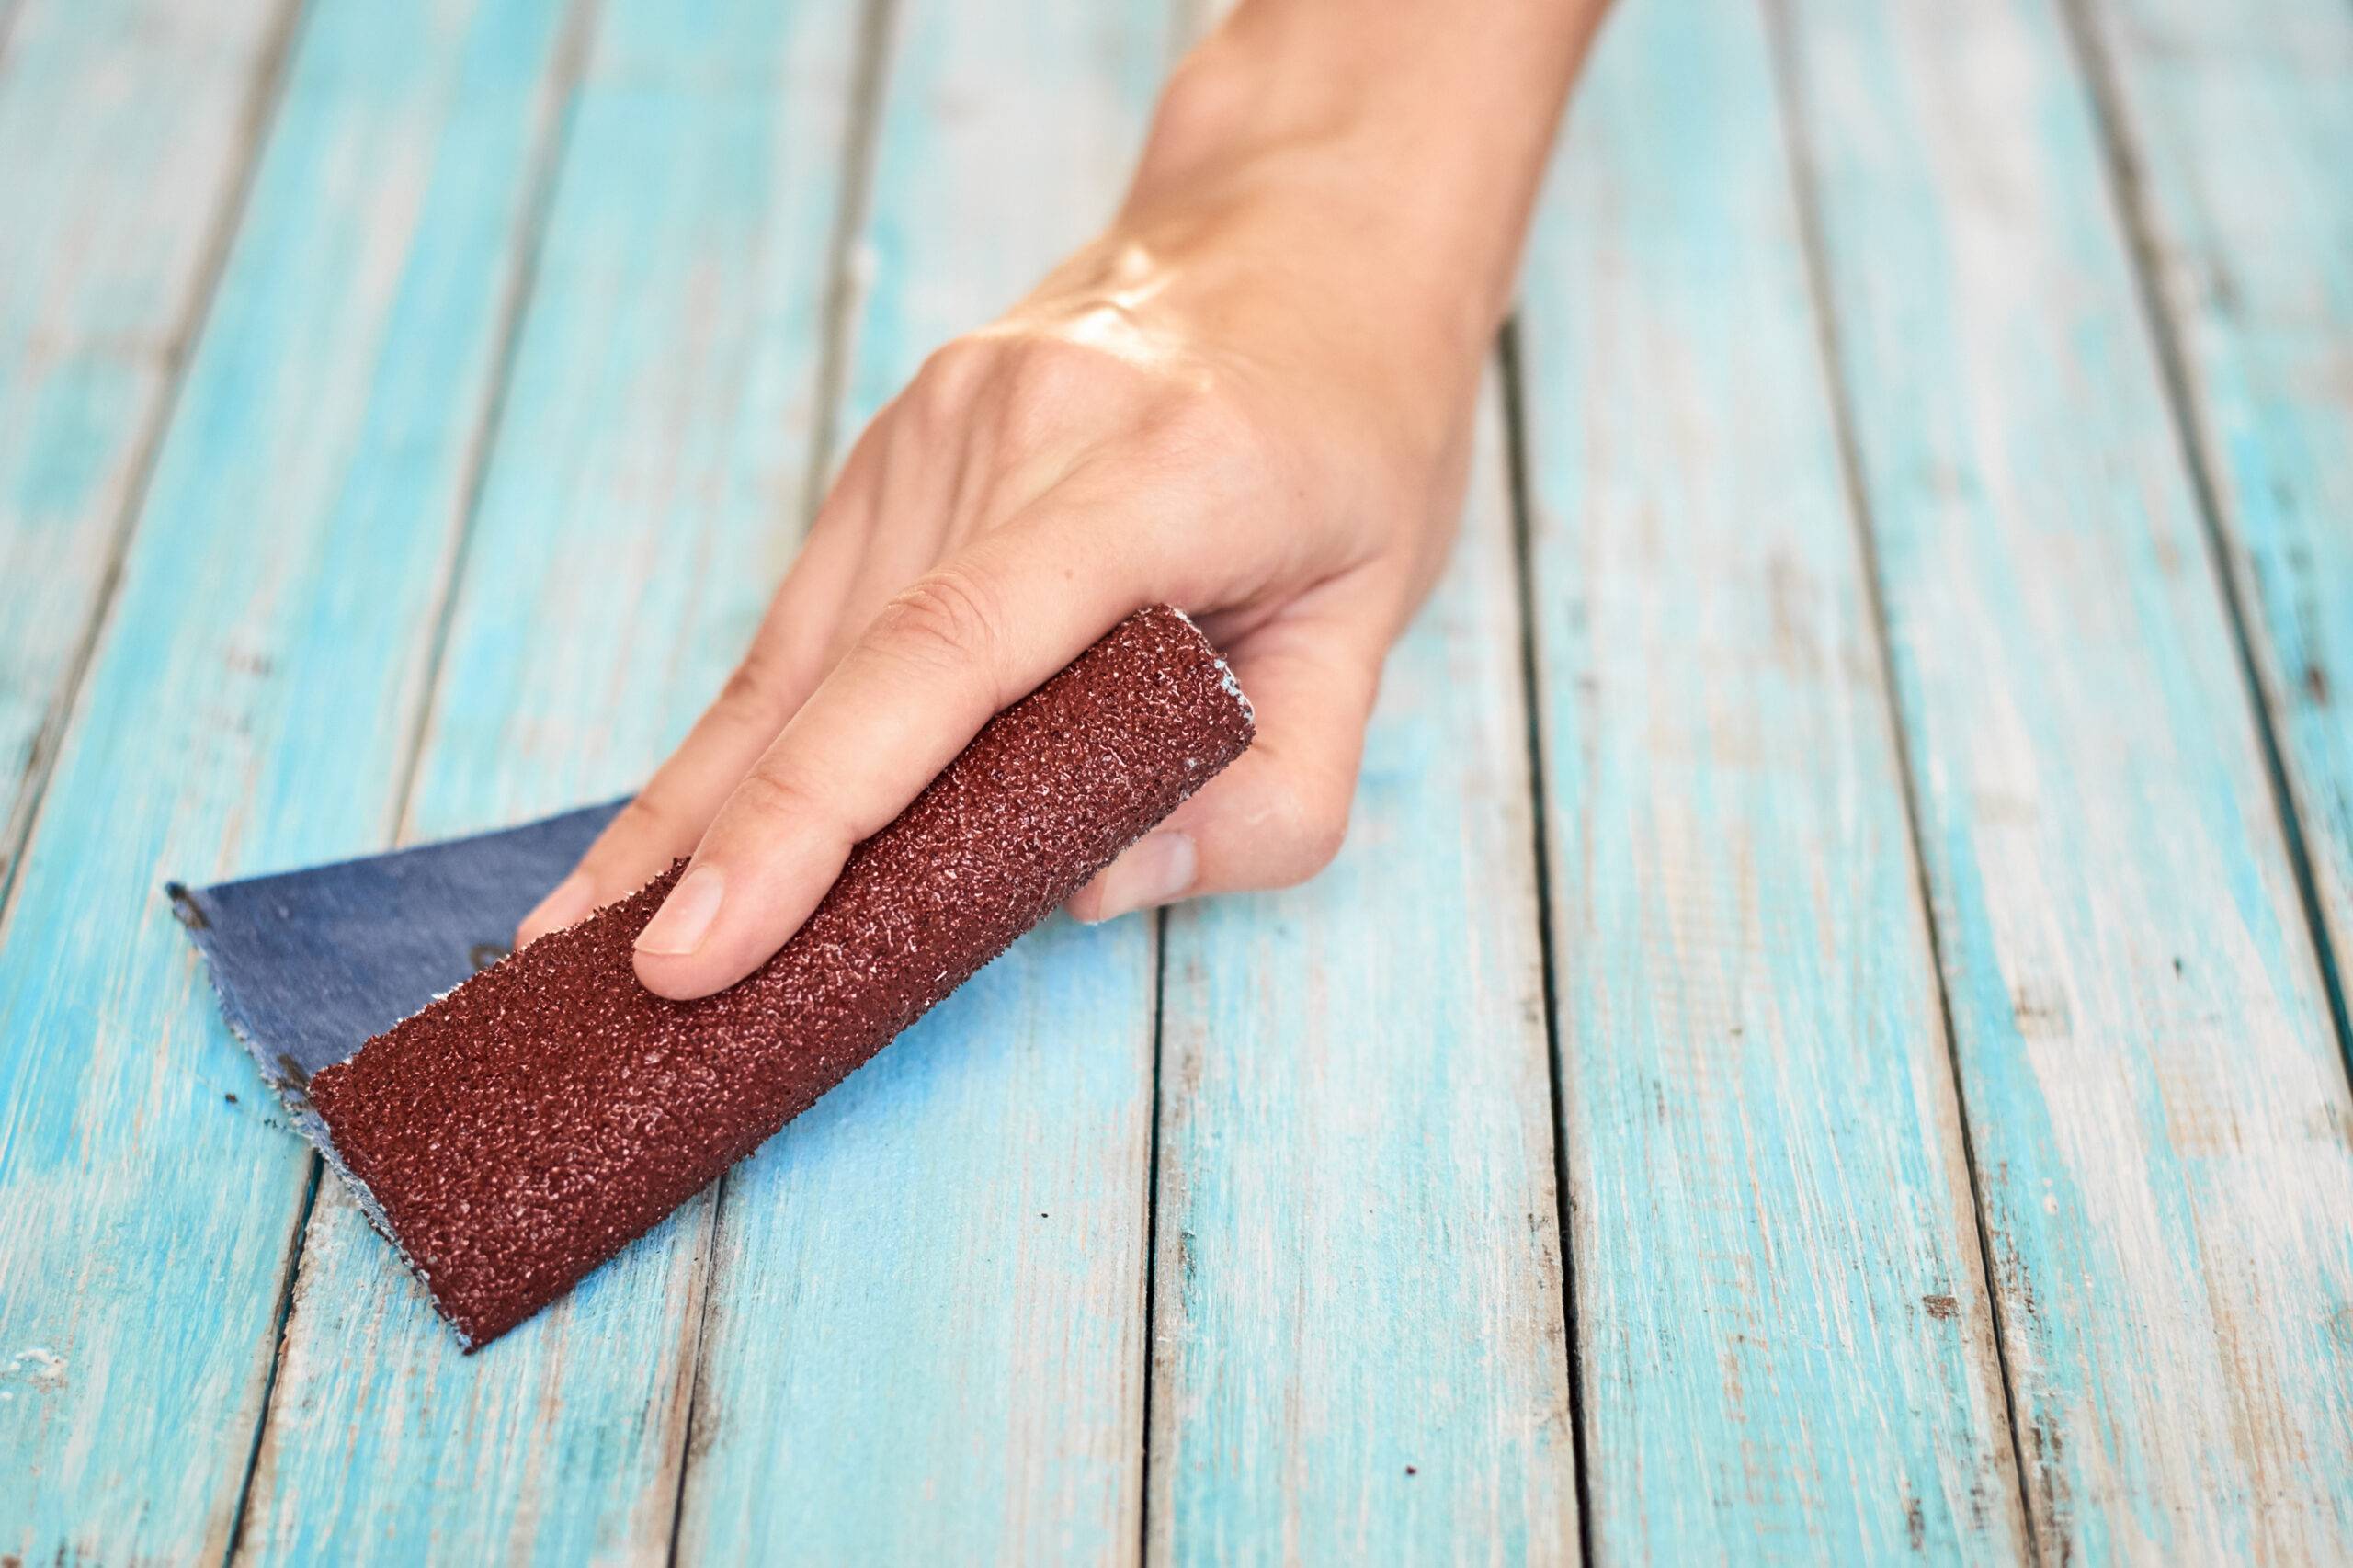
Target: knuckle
1049	385
646	824
753	690
772	801
1201	416
951	376
944	621
1047	373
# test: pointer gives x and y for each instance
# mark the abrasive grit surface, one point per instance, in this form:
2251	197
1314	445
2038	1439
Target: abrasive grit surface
521	1130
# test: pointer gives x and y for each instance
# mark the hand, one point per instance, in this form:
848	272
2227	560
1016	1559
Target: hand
1235	402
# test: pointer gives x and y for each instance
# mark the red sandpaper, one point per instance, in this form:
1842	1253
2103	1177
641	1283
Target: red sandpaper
521	1130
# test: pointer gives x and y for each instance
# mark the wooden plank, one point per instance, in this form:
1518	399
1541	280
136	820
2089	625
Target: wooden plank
250	704
130	125
1359	1348
2160	1116
925	1332
2238	121
1784	1333
641	500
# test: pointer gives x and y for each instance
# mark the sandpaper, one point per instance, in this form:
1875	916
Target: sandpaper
513	1134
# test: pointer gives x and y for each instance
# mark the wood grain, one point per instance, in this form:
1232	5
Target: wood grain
144	113
639	500
2236	122
1359	1347
249	705
916	1328
2160	1114
1786	1343
925	1334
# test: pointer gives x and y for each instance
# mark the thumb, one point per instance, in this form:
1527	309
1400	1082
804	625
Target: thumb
1276	816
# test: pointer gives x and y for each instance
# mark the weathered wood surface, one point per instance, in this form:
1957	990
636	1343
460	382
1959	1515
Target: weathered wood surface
2156	1096
2234	125
1774	1248
1358	1345
641	494
250	704
1899	792
143	114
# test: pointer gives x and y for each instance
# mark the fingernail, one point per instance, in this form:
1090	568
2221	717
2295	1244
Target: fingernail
574	899
679	925
1154	870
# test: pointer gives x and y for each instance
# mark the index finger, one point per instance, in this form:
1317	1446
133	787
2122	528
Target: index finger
942	659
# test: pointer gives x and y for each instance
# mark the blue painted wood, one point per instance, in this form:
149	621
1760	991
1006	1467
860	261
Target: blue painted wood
2160	1114
925	1335
639	503
250	704
1786	1343
2239	120
900	1359
1359	1347
140	111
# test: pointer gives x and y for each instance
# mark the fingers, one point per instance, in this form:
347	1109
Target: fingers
1276	816
968	639
669	815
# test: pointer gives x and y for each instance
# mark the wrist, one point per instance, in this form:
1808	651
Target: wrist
1300	184
1404	142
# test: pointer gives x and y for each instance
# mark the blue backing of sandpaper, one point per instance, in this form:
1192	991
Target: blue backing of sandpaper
312	964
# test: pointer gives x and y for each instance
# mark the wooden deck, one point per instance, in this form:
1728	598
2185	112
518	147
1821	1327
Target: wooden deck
1827	1041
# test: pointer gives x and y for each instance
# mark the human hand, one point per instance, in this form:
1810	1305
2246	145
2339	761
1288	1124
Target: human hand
1232	403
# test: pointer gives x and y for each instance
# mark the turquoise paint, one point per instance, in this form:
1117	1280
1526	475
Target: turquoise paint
925	1310
248	707
2156	1099
139	119
1359	1349
1785	1337
926	1331
637	508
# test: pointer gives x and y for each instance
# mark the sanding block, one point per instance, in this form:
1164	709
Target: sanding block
514	1133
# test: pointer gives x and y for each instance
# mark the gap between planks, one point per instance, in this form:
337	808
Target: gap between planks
1151	1235
1508	363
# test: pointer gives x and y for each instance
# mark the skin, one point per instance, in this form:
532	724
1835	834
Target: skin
1250	397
